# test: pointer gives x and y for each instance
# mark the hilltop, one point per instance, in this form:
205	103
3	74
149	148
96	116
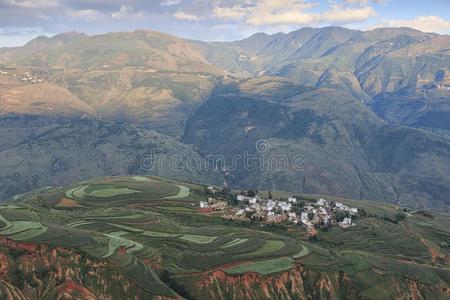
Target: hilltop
145	237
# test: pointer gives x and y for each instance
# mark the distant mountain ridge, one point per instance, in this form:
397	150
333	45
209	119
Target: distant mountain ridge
353	102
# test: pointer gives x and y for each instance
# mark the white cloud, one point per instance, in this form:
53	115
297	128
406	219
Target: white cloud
125	12
294	12
365	2
422	23
186	16
85	14
358	2
170	2
343	15
34	3
234	12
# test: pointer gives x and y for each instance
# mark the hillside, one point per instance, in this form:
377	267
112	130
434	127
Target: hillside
368	110
403	74
39	152
144	237
144	77
149	77
347	149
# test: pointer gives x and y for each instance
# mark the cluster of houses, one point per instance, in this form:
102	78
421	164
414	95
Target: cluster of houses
310	215
28	77
443	87
213	203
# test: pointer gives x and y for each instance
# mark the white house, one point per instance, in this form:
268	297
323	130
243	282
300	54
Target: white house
304	216
353	211
292	200
270	205
347	222
241	198
240	212
256	206
284	205
321	202
308	208
252	200
339	204
204	204
292	217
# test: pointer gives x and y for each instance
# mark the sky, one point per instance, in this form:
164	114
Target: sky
215	20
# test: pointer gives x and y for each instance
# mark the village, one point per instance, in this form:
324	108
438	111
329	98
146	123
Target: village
28	77
311	214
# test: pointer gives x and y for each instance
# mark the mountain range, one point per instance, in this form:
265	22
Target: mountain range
368	111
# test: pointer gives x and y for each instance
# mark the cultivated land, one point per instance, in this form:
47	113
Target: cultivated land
149	232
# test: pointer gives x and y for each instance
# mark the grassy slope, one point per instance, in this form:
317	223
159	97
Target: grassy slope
182	247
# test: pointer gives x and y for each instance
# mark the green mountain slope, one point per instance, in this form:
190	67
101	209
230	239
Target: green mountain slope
143	237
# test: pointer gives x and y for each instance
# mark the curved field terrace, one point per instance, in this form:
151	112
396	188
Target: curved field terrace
148	228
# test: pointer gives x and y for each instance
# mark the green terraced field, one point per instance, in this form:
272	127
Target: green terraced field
263	267
182	193
159	225
116	241
21	230
198	239
140	178
303	252
234	242
269	247
126	189
108	192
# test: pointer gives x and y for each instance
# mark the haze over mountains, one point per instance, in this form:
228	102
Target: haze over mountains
369	111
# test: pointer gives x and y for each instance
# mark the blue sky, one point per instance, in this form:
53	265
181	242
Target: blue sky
22	20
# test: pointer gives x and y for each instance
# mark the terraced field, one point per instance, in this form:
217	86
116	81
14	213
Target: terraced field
263	267
147	228
137	188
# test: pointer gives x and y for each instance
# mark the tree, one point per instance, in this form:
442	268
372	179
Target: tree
225	191
324	226
270	195
232	199
400	216
298	206
341	215
251	193
362	212
277	210
310	216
